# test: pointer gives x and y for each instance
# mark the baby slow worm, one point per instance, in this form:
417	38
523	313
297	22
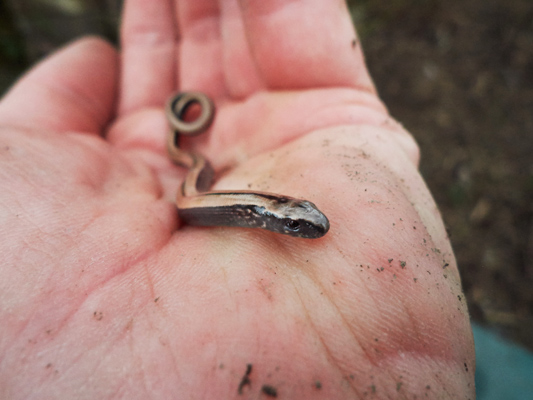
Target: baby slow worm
249	209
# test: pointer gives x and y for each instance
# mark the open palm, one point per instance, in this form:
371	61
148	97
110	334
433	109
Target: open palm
103	294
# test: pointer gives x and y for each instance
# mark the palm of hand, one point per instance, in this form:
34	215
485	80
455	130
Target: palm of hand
97	282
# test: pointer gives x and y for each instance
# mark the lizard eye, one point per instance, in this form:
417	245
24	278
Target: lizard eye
293	225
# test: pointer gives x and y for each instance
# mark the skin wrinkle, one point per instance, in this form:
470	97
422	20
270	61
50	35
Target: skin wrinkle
86	385
62	369
92	371
140	90
142	257
317	121
342	119
32	248
119	392
149	278
118	334
229	293
81	176
188	13
368	352
362	100
142	32
89	108
66	320
345	115
325	293
334	360
201	30
145	387
143	375
414	326
148	38
174	361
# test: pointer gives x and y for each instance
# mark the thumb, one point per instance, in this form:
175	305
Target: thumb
73	89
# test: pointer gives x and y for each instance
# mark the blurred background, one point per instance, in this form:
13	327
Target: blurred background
459	75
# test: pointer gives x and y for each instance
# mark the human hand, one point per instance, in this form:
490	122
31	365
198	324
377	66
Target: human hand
103	294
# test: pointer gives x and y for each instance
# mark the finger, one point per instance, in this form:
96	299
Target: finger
149	41
73	89
200	59
304	44
240	73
